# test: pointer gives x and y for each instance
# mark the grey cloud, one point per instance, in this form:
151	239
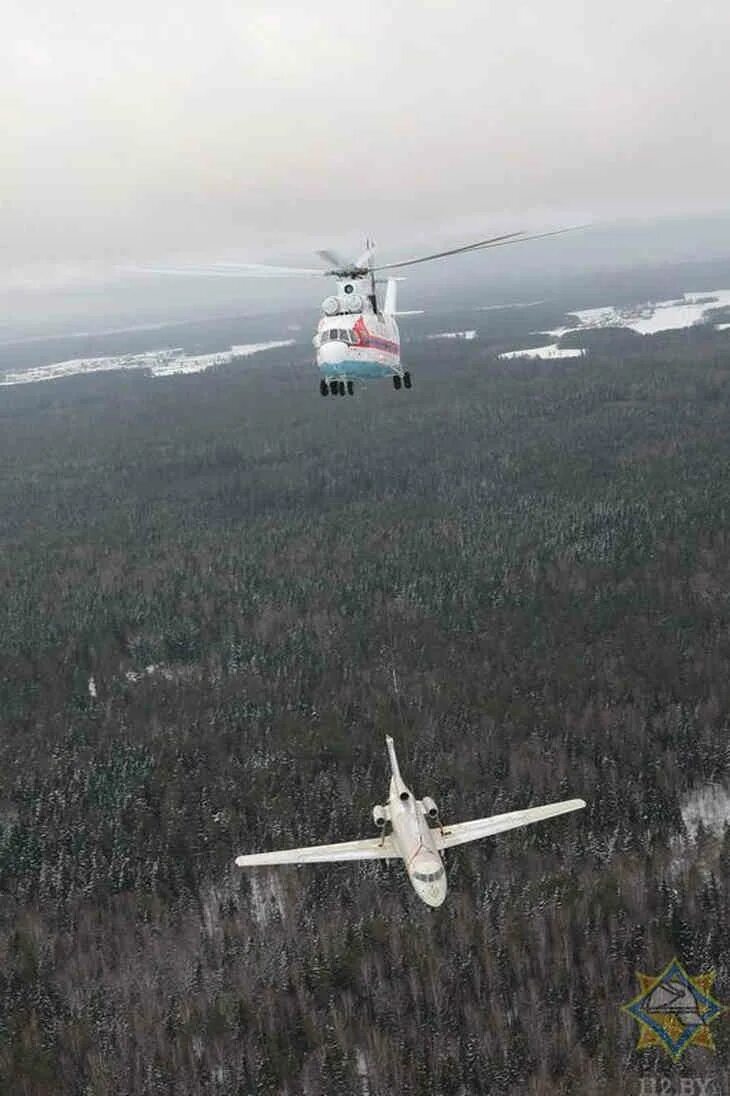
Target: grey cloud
131	131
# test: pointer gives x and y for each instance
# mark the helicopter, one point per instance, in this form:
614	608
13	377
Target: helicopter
357	337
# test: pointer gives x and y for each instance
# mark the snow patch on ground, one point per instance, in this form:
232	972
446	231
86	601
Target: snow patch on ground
214	900
157	363
722	327
137	675
546	353
167	673
652	316
709	805
267	897
556	332
454	335
361	1064
92	688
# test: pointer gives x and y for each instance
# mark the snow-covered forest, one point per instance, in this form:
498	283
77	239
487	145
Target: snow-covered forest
220	592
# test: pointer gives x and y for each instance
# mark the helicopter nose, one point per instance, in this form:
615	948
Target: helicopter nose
331	353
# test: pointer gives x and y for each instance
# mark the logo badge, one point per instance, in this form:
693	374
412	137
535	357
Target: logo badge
675	1010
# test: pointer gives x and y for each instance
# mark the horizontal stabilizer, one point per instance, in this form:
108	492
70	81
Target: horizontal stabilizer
461	832
371	848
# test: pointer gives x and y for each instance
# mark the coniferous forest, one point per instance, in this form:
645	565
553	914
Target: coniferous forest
220	592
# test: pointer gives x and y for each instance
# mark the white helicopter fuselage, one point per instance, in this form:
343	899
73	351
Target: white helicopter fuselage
355	339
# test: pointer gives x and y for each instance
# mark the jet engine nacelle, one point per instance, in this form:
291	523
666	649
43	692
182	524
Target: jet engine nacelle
429	807
380	816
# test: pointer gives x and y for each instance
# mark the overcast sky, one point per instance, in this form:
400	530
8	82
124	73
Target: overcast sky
137	130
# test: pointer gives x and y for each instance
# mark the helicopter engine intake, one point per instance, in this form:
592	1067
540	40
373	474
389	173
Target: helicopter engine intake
354	303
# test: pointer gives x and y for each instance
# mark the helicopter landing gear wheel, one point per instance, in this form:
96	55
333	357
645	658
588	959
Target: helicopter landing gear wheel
396	382
333	388
350	388
407	380
342	388
323	389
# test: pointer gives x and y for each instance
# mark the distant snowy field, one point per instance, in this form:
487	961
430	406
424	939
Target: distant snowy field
646	319
653	316
546	353
469	335
157	363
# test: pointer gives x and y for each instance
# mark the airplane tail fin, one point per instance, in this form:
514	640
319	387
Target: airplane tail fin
393	759
397	784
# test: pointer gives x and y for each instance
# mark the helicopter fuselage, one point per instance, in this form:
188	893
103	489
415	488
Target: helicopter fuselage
355	339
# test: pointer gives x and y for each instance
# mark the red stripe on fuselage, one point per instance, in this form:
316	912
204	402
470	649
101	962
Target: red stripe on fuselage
374	343
369	341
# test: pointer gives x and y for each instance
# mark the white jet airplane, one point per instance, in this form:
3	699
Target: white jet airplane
412	838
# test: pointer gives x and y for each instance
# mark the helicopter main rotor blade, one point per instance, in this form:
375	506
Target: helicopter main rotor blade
336	260
363	260
480	245
233	270
342	268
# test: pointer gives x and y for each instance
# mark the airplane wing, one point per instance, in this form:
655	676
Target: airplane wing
371	848
461	832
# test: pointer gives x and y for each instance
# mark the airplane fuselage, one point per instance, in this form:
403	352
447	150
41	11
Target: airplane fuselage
414	839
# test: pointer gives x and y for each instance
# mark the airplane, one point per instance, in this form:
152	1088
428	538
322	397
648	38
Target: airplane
357	336
417	836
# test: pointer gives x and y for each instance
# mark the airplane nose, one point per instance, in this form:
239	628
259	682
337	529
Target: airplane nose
428	881
434	894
